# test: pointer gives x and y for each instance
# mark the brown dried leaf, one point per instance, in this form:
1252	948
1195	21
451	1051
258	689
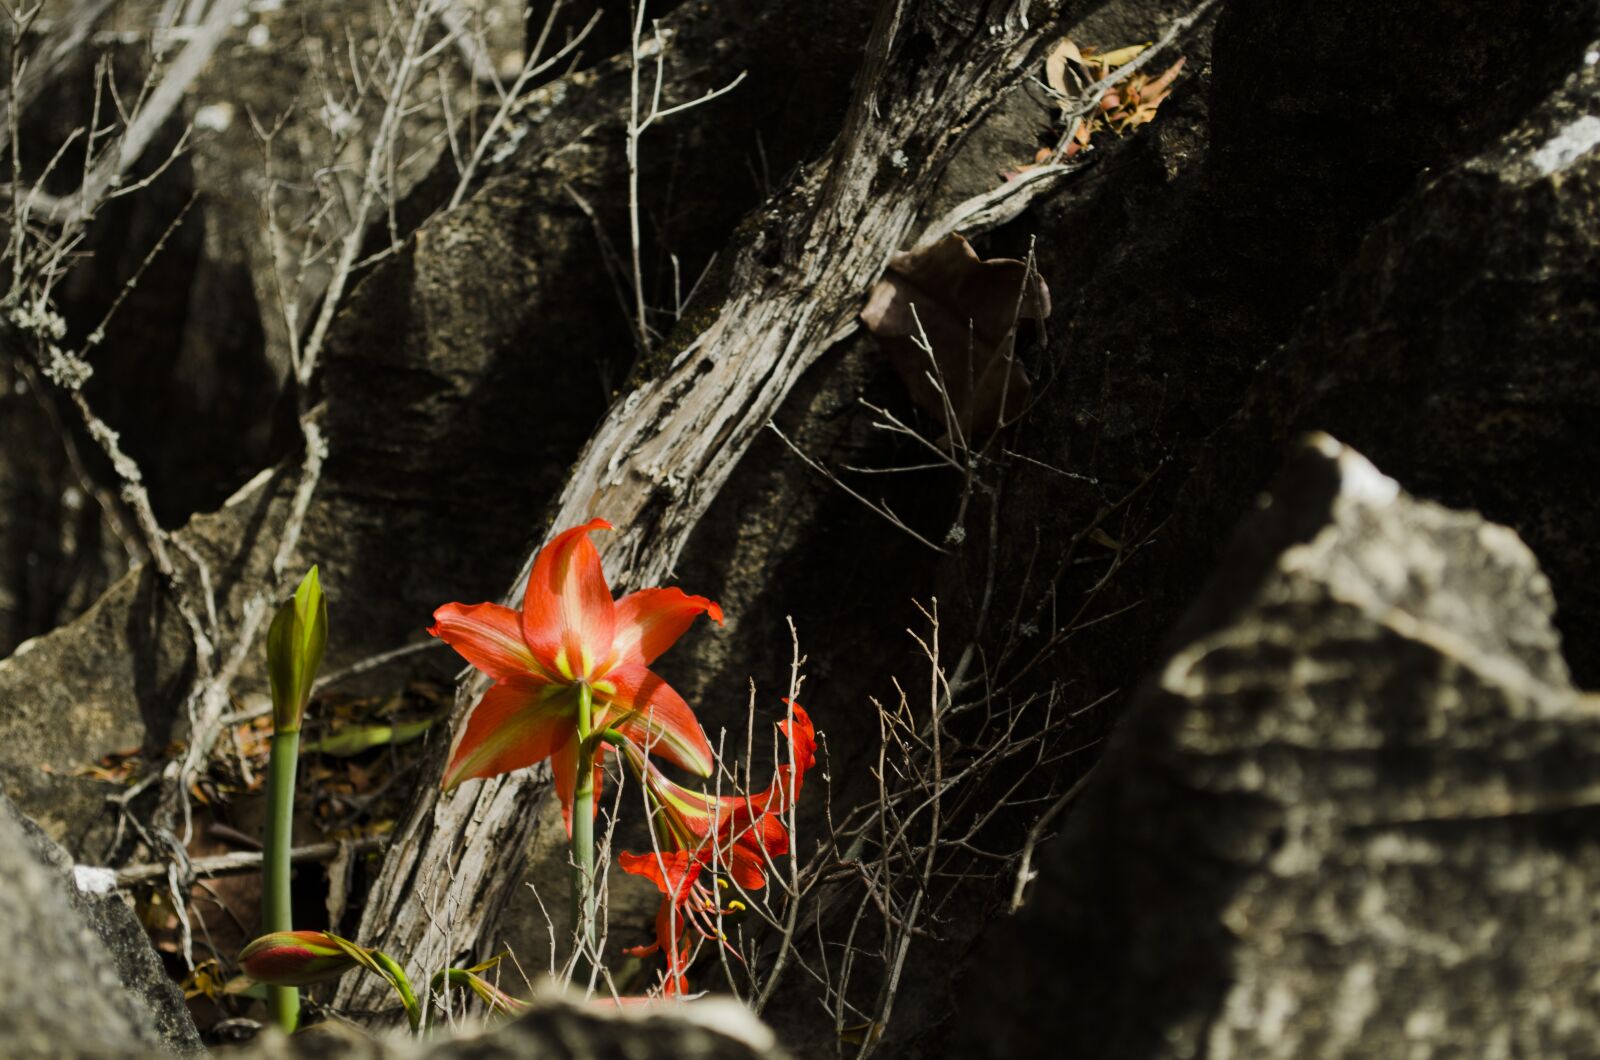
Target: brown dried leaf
1144	96
1163	84
1120	56
1055	64
968	310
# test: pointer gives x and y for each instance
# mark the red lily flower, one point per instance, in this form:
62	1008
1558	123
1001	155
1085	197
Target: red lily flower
571	633
740	833
686	901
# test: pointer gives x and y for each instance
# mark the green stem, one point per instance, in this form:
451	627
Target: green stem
283	1002
583	892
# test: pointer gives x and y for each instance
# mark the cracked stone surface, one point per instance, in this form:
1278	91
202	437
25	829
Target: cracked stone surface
1353	813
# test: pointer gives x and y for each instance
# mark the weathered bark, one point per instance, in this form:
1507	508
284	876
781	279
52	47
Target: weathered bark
658	460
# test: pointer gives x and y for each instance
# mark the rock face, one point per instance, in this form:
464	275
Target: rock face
76	982
114	679
1353	814
1246	203
156	1002
1457	346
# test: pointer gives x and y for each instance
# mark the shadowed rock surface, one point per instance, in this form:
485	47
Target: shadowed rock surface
1353	813
1184	270
114	679
69	989
712	1030
1457	349
157	1003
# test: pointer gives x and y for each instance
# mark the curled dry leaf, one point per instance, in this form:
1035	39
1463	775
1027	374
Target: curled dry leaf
1055	64
1118	56
968	310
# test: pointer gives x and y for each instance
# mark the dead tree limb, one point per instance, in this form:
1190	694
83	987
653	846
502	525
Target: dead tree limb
237	862
653	467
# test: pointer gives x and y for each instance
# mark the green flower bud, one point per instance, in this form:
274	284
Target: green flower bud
295	644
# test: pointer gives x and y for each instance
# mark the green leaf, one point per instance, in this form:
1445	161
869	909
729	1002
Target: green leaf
498	1001
358	738
281	669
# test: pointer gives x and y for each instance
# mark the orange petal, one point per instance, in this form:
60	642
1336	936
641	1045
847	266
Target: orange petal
676	983
784	791
802	743
564	767
646	710
692	814
748	867
486	635
757	819
518	722
672	935
672	871
568	618
756	823
651	620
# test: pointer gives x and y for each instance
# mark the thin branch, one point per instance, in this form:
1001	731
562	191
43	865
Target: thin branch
530	69
1025	873
240	862
882	510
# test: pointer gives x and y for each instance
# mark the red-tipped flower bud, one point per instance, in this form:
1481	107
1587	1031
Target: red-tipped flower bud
298	958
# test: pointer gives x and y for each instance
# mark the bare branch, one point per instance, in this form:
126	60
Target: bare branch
240	862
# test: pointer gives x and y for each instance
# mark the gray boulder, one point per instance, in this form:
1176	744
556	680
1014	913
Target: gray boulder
76	982
1352	814
1457	347
158	1003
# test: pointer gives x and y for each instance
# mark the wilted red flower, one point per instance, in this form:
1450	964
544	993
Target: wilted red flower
571	633
686	901
737	834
